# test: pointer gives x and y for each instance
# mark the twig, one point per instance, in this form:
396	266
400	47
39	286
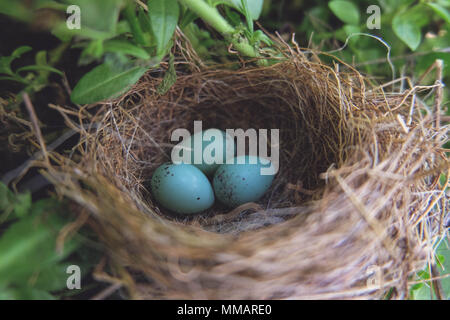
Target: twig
143	5
437	285
12	174
107	292
439	93
35	125
384	60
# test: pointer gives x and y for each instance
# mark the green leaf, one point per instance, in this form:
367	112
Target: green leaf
99	20
5	62
106	81
28	246
144	21
187	17
169	78
16	9
443	177
146	26
418	15
64	34
25	294
425	61
19	204
125	47
20	51
346	11
94	49
122	28
248	15
405	28
423	274
416	286
40	68
254	6
135	26
7	78
258	35
443	252
52	278
422	291
41	58
199	38
441	11
30	265
6	197
22	205
444	3
116	59
233	17
164	18
347	30
99	15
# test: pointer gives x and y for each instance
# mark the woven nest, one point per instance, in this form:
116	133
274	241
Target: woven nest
352	212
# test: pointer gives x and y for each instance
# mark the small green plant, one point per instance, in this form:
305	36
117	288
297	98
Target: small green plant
424	289
132	37
419	29
32	77
31	266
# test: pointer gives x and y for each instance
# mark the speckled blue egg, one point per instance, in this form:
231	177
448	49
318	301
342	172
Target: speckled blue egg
236	184
182	188
211	144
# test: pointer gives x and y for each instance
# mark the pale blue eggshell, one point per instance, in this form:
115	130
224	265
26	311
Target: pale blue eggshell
182	188
225	143
236	184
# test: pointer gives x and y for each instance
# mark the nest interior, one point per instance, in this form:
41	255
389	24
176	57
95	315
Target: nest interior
310	136
349	214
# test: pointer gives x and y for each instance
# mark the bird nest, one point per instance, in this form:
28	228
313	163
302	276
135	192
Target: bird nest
352	212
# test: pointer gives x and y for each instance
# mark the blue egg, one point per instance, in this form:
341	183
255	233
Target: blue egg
213	147
236	184
182	188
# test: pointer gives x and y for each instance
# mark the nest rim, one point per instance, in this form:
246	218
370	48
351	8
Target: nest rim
241	259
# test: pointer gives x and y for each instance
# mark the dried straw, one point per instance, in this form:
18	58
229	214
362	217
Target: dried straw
354	210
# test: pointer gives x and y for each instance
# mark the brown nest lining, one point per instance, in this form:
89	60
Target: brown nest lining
349	214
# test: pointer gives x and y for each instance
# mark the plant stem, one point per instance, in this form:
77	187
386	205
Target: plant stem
212	17
130	15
